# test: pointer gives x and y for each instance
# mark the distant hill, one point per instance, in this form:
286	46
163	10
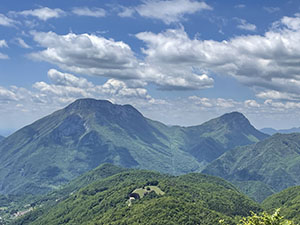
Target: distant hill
187	199
272	131
1	138
271	165
60	147
288	201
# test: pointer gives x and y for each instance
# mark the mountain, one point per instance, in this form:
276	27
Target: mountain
269	130
144	197
272	164
272	131
1	138
60	147
288	201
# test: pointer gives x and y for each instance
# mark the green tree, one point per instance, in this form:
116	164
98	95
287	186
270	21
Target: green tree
264	219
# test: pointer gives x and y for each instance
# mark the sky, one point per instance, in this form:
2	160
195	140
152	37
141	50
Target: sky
181	62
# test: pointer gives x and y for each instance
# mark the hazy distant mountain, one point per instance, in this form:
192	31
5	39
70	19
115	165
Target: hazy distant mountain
272	131
187	199
88	132
1	138
272	164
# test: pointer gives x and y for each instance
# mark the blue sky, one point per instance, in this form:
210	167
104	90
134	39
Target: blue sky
177	61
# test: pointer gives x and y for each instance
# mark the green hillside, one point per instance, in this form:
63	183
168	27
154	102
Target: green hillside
288	201
11	204
62	146
187	199
270	165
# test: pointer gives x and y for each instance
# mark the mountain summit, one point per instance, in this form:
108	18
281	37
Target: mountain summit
89	132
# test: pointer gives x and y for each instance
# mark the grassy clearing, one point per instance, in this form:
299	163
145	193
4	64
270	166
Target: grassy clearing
147	189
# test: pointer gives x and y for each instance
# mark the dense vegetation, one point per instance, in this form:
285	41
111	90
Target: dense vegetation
187	199
288	201
11	204
264	219
270	165
87	133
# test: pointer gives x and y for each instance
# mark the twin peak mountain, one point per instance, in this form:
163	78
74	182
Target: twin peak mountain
59	147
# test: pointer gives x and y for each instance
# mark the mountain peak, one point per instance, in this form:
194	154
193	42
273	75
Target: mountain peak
88	103
236	120
234	116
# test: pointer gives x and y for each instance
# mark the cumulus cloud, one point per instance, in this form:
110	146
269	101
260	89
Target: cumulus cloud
65	79
292	23
5	21
251	103
95	55
44	13
276	95
173	60
270	61
7	95
244	25
93	12
170	11
87	54
69	86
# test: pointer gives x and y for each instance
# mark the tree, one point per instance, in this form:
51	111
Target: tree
264	219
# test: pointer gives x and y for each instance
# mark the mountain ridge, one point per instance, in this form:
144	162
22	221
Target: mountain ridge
274	161
89	132
271	131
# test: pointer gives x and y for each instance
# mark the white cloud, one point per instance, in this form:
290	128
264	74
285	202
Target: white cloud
94	55
44	13
65	79
170	11
276	95
292	23
7	95
270	61
244	25
251	103
3	44
68	86
214	103
5	21
21	43
93	12
87	54
175	61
